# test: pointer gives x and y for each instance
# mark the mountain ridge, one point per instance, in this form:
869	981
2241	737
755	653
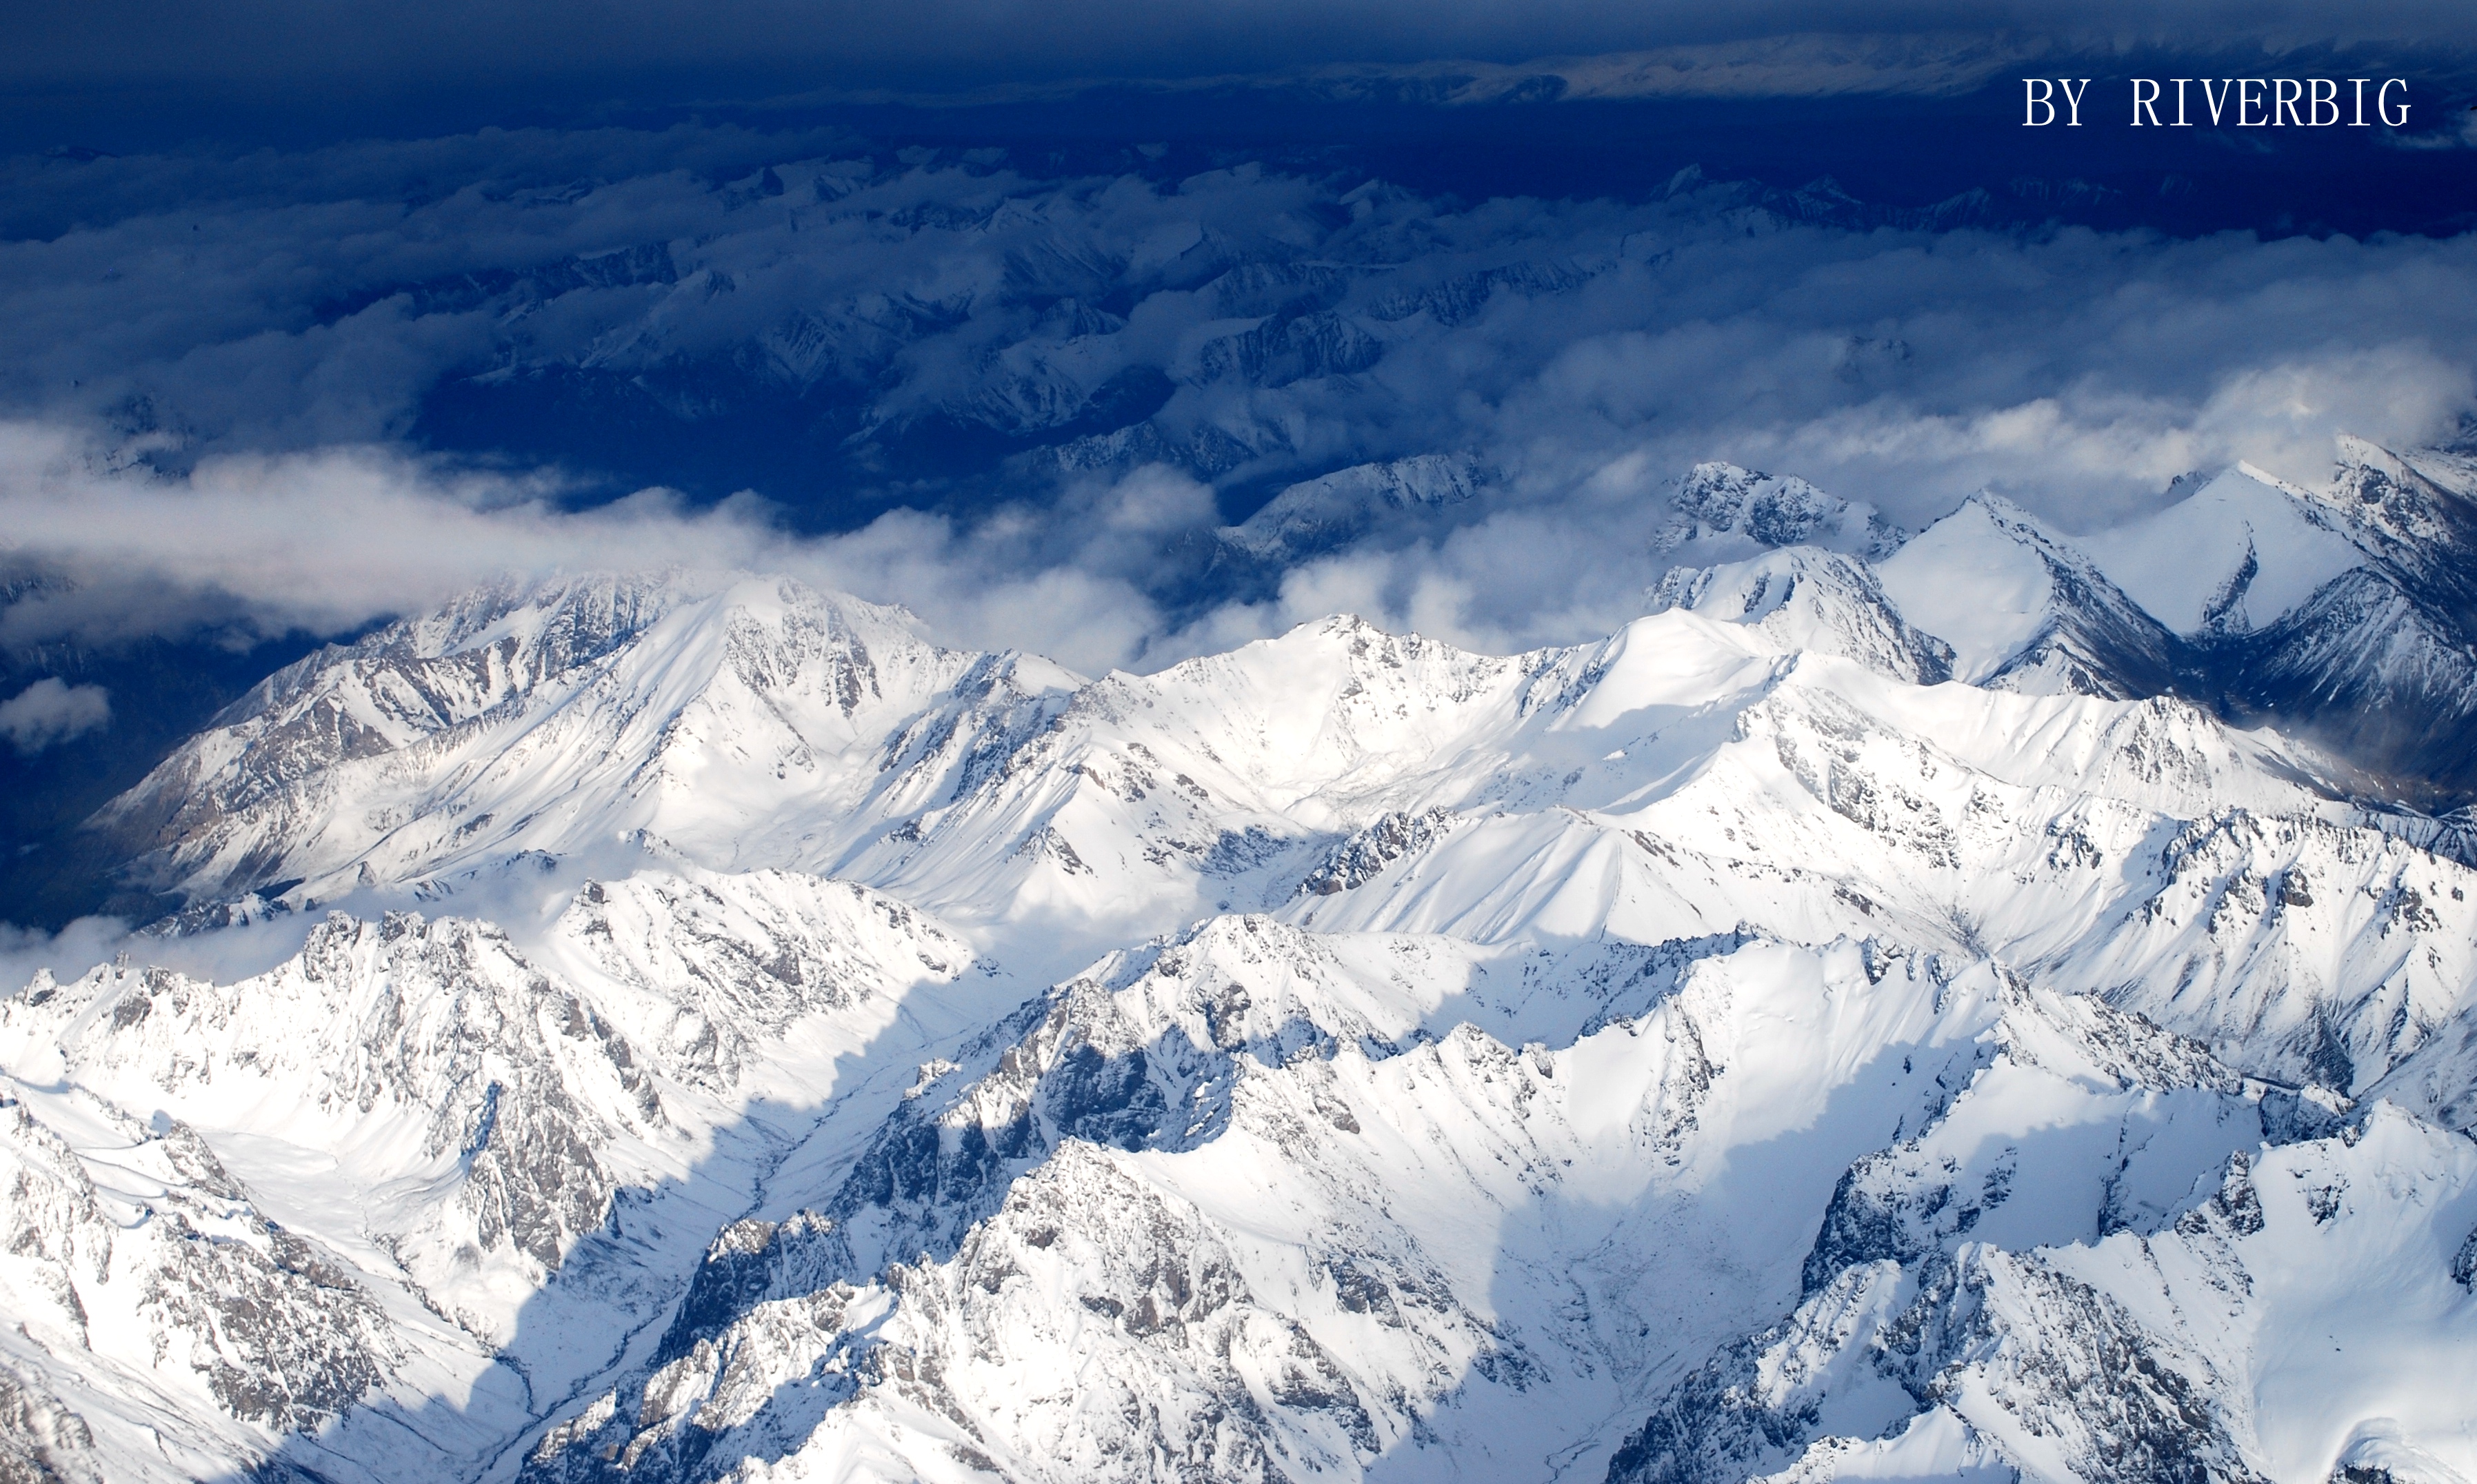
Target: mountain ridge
1781	1038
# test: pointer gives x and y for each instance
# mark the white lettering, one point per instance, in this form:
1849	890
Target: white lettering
2255	102
2383	103
2143	103
2042	95
2074	97
2286	91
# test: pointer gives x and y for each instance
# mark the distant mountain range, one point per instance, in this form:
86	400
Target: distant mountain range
1985	1003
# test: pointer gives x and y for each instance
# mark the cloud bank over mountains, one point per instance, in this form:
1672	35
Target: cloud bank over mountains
295	391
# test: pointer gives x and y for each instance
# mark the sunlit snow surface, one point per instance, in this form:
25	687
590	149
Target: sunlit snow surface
1824	1029
2239	553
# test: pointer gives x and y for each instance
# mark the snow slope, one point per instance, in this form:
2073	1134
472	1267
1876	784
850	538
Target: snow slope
420	1161
2237	554
2029	611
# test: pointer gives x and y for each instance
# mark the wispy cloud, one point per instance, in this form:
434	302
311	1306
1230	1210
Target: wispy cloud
52	710
329	539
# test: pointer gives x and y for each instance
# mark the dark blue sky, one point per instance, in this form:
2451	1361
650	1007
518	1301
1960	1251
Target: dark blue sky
151	73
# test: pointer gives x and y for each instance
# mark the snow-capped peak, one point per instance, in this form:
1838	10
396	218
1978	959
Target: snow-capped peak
1808	600
461	735
1333	510
2237	554
2022	607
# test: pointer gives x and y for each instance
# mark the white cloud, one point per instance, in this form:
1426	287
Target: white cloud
330	539
52	710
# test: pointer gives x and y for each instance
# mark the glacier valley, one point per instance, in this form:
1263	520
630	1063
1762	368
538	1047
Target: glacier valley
1985	1003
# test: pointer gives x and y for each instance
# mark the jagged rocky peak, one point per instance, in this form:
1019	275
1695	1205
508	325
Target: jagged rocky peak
434	1050
1342	661
1366	852
2114	1356
2427	495
42	1441
133	1251
2241	551
1728	506
708	974
416	1158
474	652
1076	1200
2350	618
1808	600
2336	615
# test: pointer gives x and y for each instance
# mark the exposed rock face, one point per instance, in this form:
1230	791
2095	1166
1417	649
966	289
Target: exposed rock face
2381	663
1398	497
41	1441
1716	502
258	1323
2111	1360
423	747
472	1158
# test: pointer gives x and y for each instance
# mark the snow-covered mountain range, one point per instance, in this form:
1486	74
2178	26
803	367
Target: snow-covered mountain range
1986	1003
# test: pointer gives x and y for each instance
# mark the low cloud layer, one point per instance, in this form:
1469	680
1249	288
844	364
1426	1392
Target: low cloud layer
251	546
52	710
